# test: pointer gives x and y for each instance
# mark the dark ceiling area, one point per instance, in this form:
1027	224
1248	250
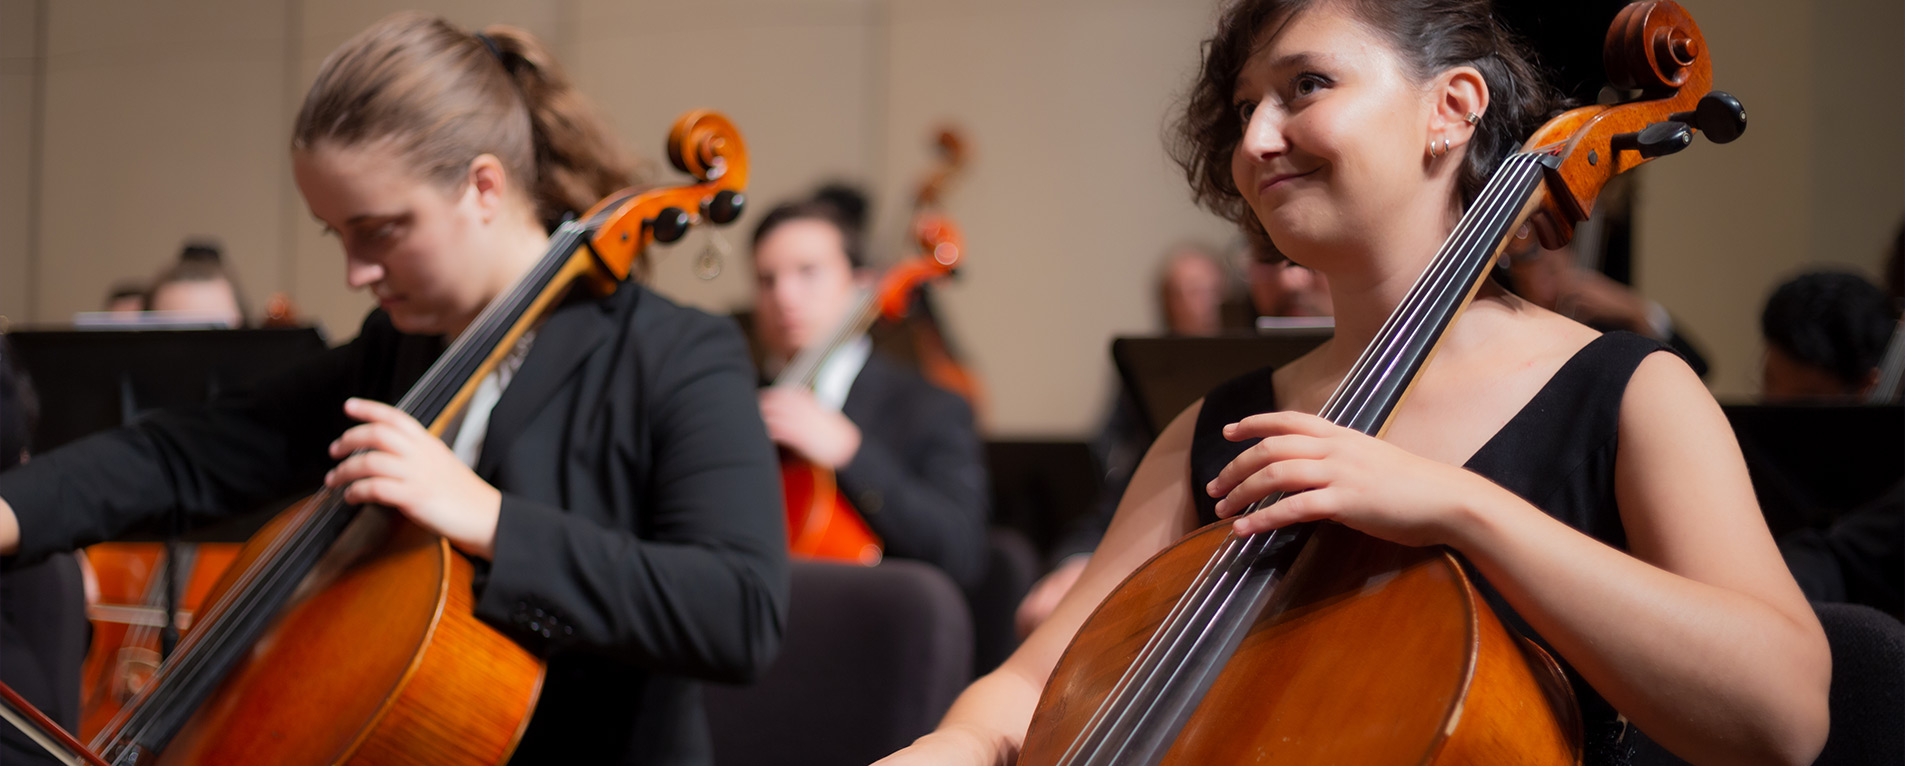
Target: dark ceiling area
1567	36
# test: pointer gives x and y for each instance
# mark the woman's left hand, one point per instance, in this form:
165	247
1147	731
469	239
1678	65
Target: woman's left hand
1345	476
400	464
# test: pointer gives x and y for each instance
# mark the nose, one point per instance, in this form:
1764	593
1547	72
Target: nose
360	273
1263	134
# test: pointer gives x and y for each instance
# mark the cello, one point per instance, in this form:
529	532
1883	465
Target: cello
920	332
821	524
346	633
1314	643
129	618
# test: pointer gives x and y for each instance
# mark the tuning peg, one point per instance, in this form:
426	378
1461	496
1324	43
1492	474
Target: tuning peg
725	207
1657	140
1720	116
670	224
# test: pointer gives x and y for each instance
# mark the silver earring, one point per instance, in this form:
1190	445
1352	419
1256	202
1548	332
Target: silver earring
1473	118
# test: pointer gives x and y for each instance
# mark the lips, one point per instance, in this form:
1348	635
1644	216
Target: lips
1271	181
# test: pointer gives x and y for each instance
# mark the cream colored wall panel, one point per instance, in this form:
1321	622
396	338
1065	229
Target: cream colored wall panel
19	29
1860	121
323	25
1070	199
1814	180
138	158
109	33
19	61
16	191
795	77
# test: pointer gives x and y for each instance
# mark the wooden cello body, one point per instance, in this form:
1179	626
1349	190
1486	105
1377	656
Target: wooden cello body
1316	644
1374	658
821	523
348	635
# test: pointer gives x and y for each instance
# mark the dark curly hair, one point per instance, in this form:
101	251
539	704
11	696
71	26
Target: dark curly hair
840	205
1832	320
1430	36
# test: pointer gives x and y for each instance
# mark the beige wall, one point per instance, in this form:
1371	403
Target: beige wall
152	122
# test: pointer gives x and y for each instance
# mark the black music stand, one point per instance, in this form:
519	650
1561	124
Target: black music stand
1165	374
93	380
1811	463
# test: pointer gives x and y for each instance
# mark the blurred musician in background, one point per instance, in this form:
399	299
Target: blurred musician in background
199	284
905	452
1192	284
1555	280
1825	334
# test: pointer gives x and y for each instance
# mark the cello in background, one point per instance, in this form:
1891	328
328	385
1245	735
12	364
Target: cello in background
1314	643
821	524
129	618
345	633
919	334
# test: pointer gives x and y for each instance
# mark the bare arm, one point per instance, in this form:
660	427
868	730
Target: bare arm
1700	637
987	723
9	529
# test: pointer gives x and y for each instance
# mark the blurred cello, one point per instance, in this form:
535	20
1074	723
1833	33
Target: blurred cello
1314	643
345	633
821	523
129	620
920	332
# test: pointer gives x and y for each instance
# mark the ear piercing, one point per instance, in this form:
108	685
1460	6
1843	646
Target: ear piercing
1473	118
1438	148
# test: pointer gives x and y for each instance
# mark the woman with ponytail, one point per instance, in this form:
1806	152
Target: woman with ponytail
612	480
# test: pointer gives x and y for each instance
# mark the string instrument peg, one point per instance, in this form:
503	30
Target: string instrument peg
1657	140
1719	115
669	224
725	206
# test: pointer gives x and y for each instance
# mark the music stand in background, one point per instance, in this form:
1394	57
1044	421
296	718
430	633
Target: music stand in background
1812	463
1165	374
93	380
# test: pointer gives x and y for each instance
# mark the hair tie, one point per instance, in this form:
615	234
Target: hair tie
493	50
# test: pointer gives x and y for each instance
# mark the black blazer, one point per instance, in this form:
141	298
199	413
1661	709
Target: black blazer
919	478
640	541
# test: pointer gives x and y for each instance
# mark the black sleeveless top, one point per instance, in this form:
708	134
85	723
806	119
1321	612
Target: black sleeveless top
1557	453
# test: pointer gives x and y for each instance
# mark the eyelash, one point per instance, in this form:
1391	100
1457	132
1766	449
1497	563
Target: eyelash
1245	109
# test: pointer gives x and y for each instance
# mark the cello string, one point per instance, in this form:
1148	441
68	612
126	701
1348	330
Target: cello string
1448	269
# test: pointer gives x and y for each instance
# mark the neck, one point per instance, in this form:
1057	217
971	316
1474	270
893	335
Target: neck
1373	275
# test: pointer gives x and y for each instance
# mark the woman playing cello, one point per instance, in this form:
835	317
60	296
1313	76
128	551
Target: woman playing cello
1599	490
612	479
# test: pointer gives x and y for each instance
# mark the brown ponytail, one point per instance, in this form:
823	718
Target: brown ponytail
442	96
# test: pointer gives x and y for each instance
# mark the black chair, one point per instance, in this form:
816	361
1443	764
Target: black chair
1868	685
1868	690
1011	568
871	659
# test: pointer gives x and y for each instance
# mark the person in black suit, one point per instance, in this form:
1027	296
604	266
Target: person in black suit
612	480
905	451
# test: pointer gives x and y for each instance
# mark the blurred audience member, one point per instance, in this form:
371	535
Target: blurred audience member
1280	287
1825	333
126	297
199	284
1191	288
1554	280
